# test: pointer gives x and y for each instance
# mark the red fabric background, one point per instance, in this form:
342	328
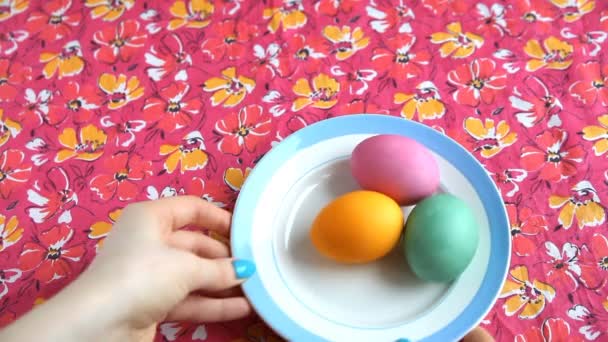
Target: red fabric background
103	103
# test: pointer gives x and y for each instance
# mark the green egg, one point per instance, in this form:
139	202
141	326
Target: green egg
441	237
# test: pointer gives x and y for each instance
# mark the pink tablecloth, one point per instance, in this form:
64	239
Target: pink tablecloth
103	103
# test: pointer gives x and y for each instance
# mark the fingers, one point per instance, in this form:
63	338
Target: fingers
213	275
182	211
199	244
204	309
231	292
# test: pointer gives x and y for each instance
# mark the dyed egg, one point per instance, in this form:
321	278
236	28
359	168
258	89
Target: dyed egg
357	227
441	237
396	166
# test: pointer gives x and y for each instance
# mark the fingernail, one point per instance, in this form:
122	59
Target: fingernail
403	340
243	268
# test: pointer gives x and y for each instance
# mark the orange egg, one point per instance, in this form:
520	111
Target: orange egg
357	227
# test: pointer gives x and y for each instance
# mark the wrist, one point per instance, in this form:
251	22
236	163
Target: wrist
81	312
93	305
106	314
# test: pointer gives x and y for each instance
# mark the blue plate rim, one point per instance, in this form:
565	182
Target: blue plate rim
363	123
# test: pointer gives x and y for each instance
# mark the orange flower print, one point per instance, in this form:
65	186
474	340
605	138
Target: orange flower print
331	8
51	254
124	170
574	9
10	232
118	90
324	92
244	130
88	146
66	63
13	75
8	128
229	89
119	43
11	7
291	15
524	225
528	297
235	177
346	41
109	10
100	229
490	138
582	204
553	54
599	134
53	21
13	172
190	154
477	82
425	101
196	14
591	84
456	43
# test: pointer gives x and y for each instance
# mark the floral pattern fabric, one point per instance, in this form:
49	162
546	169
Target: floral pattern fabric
104	103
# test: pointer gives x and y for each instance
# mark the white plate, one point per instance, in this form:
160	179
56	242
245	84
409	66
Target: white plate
305	297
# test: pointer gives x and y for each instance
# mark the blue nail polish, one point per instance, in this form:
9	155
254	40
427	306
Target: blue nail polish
403	340
243	268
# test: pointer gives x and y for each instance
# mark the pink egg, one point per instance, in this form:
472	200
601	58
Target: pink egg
396	166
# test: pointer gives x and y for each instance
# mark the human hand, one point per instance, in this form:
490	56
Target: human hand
150	270
158	272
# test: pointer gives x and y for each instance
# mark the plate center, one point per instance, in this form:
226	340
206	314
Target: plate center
381	294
